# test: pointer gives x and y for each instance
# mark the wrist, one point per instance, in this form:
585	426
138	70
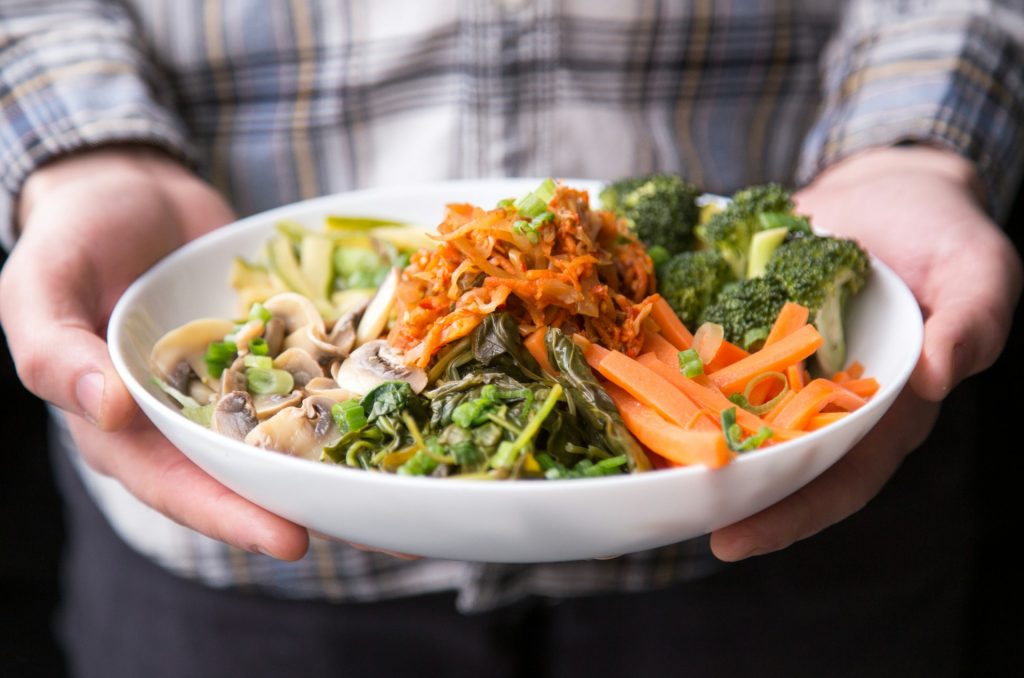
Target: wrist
121	164
902	161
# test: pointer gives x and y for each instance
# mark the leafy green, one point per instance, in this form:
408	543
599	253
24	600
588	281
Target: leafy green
592	402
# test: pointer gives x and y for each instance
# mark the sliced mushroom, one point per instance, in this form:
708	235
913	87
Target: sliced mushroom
375	318
269	404
201	393
273	334
290	431
343	334
300	364
327	387
187	344
233	377
249	331
318	410
295	310
234	415
374	363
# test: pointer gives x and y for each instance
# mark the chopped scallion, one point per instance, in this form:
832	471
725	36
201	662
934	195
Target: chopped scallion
262	381
349	415
690	363
219	355
734	434
258	346
261	361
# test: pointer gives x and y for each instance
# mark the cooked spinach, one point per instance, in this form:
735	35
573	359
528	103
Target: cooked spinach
492	412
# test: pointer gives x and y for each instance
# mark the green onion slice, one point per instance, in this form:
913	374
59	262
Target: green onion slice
262	381
734	434
690	363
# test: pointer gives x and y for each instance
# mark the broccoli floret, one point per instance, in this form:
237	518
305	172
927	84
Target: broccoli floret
752	210
689	282
822	273
660	208
747	309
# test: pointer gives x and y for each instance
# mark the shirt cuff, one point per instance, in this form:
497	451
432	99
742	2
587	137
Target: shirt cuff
73	86
952	82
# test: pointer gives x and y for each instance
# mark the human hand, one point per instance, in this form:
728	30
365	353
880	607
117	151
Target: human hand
91	223
918	211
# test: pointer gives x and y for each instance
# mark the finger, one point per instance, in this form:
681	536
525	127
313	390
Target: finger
51	320
839	492
162	477
967	323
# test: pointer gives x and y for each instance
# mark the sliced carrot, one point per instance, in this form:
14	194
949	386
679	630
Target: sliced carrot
780	355
672	328
812	399
704	421
538	348
770	415
795	375
865	387
854	371
791	317
728	353
711	399
646	386
663	348
675	443
824	419
714	351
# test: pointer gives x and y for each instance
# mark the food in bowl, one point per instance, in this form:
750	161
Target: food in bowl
530	340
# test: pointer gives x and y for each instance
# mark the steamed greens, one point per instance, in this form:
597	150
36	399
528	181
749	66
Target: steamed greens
494	413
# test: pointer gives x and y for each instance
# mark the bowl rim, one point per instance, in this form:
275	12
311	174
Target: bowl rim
146	398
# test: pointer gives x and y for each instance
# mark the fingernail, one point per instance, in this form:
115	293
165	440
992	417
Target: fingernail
89	391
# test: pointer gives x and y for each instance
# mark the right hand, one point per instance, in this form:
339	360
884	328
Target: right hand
90	224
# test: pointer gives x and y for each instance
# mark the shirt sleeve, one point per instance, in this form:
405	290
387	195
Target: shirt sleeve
948	74
74	74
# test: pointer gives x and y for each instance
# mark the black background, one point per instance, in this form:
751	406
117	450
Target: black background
31	528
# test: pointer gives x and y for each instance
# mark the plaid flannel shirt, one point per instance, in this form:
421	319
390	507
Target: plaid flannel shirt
278	101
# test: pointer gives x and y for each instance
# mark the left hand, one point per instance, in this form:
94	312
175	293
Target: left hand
916	209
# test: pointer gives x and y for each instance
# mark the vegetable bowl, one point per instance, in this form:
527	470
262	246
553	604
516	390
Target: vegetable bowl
465	519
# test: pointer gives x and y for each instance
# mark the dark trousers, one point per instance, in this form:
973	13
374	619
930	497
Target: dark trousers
884	593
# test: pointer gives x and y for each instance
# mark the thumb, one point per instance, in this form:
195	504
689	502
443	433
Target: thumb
52	320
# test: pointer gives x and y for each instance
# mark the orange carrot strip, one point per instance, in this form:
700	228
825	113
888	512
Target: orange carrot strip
647	386
728	353
675	443
795	375
770	415
780	355
663	348
672	328
855	370
711	399
792	317
824	419
810	401
704	421
865	387
538	348
592	353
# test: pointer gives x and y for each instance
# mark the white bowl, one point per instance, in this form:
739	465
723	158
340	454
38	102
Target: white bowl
518	521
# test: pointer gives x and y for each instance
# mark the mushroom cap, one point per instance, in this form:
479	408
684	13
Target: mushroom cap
292	432
234	415
188	344
300	364
295	310
374	363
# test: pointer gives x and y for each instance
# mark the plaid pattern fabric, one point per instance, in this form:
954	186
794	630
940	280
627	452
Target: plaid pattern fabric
278	101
